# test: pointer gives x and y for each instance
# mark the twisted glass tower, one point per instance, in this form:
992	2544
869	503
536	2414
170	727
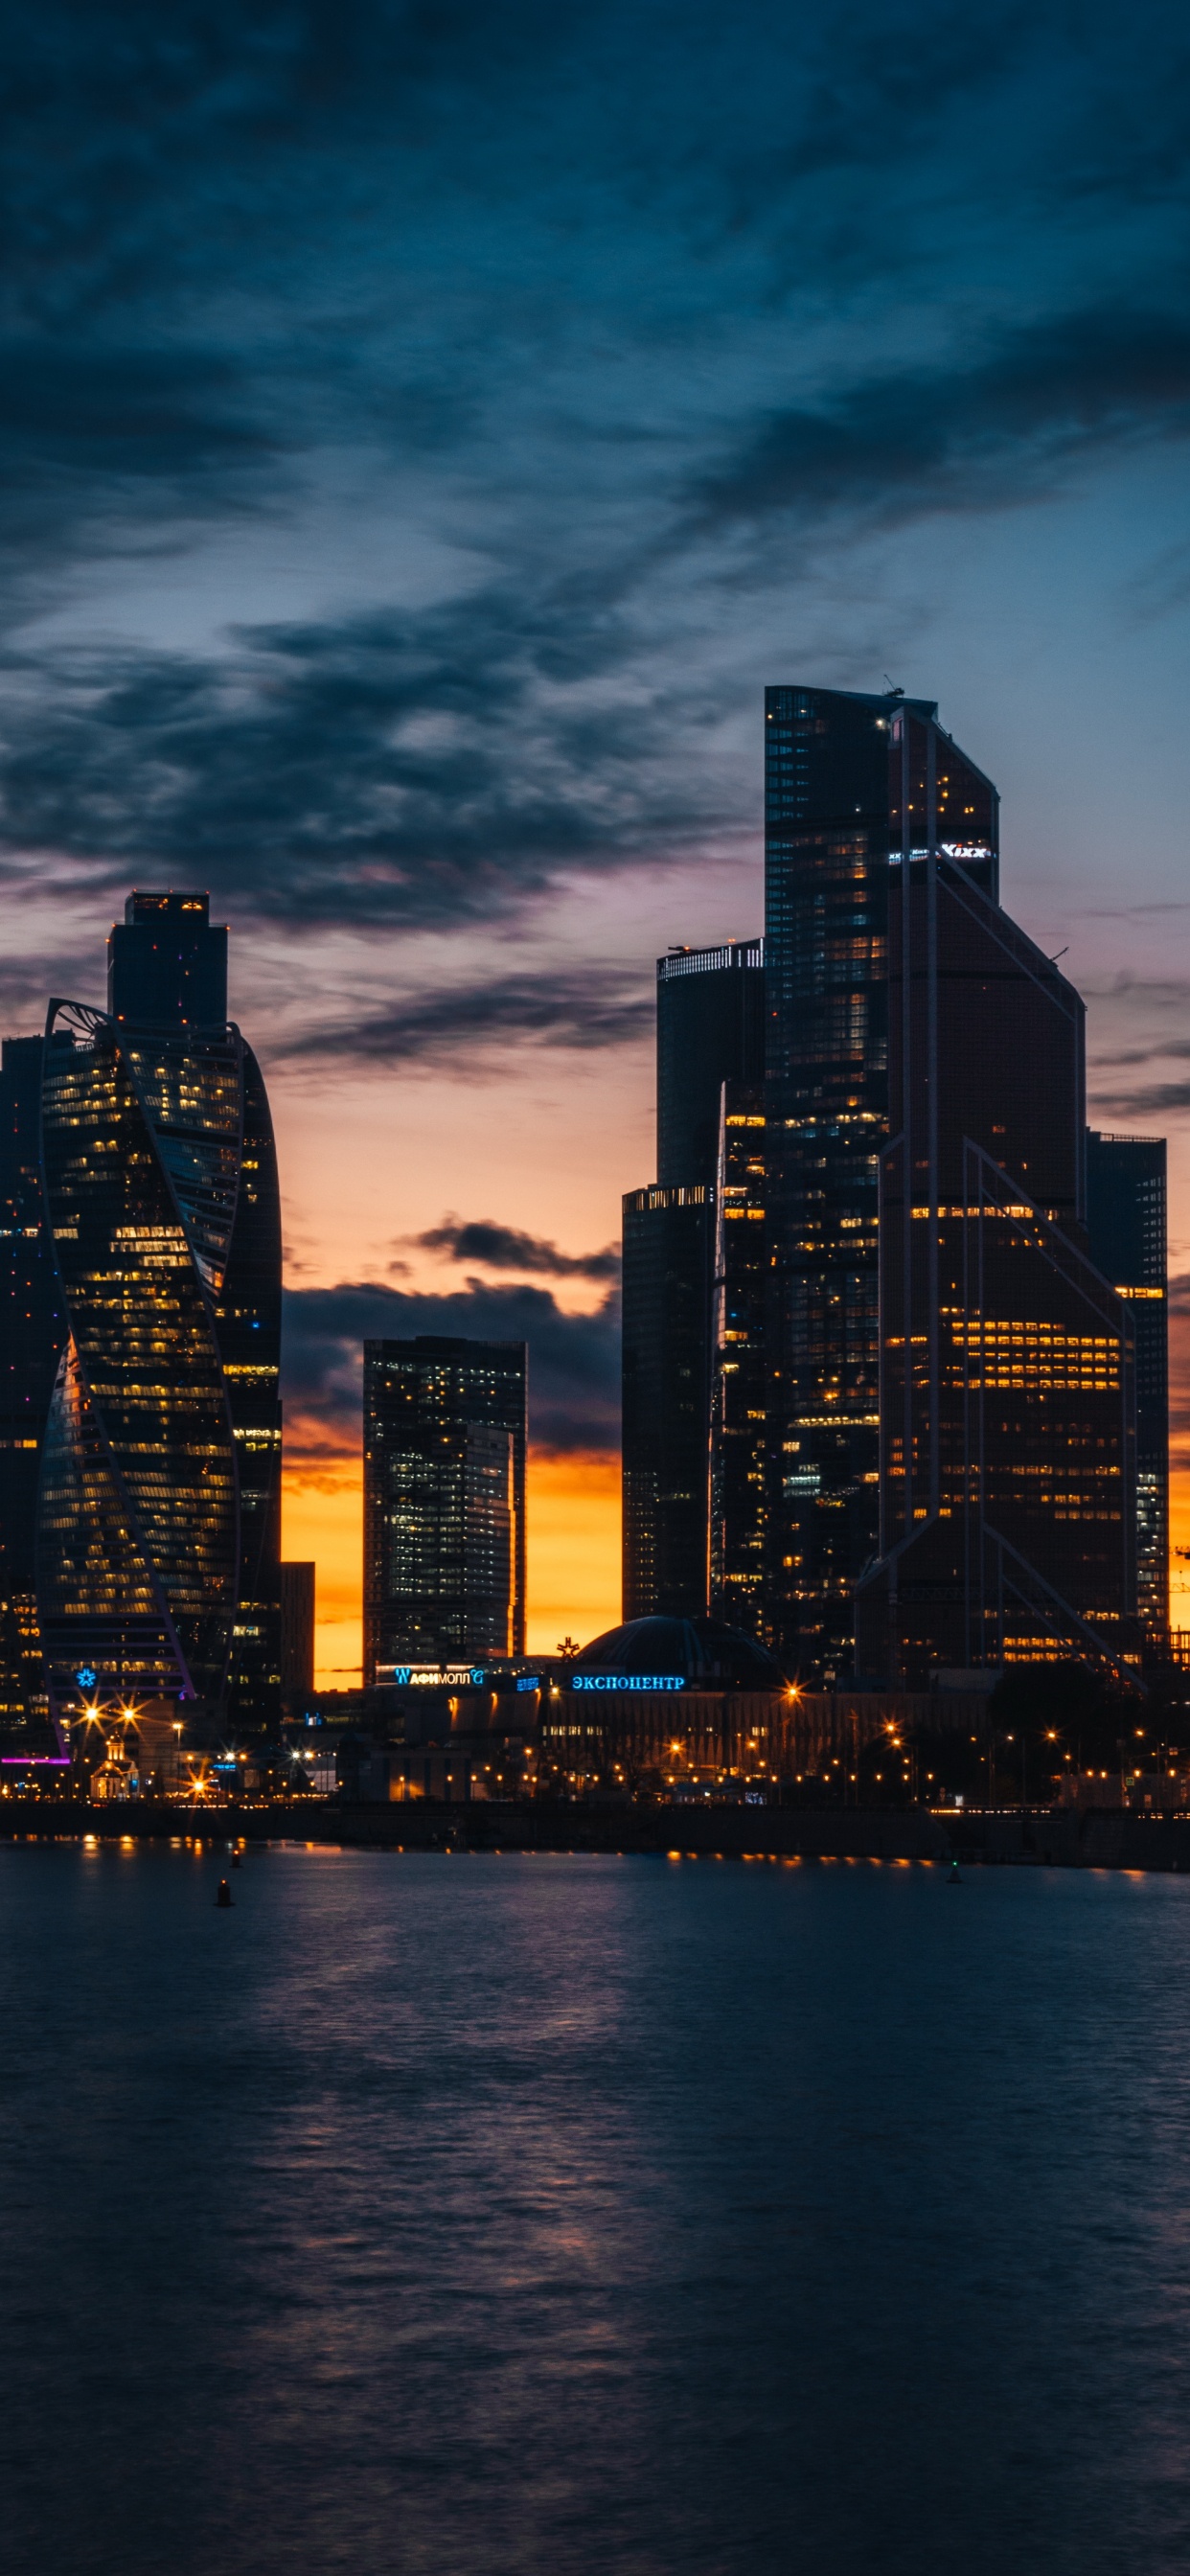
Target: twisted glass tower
157	1551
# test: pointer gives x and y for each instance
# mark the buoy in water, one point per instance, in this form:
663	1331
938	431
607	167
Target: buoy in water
235	1860
954	1880
224	1895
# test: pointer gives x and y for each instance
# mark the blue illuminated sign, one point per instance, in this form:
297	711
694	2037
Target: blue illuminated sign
530	1682
433	1676
626	1681
85	1678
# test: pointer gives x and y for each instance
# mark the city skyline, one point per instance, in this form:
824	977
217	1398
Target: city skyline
681	1121
423	452
553	1280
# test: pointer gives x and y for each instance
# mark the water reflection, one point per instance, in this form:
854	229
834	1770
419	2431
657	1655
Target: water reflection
513	2214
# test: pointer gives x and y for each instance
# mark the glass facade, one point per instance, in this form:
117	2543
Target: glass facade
850	782
137	1534
297	1631
1007	1450
739	1371
669	1243
444	1500
158	1517
32	1334
167	963
710	1030
248	1331
1126	1224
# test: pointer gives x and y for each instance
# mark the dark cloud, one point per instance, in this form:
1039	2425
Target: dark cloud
574	1360
1150	1100
1162	1049
963	435
127	412
504	1247
390	768
611	288
599	1007
1159	592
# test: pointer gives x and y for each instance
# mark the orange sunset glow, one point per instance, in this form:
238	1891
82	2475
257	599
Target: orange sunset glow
534	1135
574	1552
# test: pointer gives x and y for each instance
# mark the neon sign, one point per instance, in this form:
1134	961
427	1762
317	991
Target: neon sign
432	1676
626	1682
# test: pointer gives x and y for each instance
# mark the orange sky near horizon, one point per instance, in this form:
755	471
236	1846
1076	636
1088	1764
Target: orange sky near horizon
574	1521
574	1553
537	1136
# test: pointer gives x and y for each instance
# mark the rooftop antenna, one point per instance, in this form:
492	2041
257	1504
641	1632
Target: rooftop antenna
893	693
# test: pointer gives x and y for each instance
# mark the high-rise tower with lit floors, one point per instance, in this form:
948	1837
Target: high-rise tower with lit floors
1007	1431
851	782
445	1435
158	1513
739	1363
1126	1223
710	1030
32	1333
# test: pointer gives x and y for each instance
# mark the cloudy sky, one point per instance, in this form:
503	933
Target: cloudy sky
425	431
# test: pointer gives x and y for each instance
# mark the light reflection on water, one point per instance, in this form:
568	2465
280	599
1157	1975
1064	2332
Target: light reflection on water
478	2215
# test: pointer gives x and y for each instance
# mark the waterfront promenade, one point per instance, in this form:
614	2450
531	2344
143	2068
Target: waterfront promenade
1097	1839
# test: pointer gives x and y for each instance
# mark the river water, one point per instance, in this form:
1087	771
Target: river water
555	2215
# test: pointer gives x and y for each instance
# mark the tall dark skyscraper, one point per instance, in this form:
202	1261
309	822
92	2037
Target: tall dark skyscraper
710	1030
158	1514
445	1438
32	1332
1007	1446
920	1388
851	782
669	1242
167	963
298	1597
1126	1224
739	1363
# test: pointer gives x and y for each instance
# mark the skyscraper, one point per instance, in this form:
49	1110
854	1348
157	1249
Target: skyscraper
850	781
1007	1456
920	1387
710	1030
1127	1230
32	1332
297	1631
445	1437
248	1330
739	1363
669	1241
158	1515
167	963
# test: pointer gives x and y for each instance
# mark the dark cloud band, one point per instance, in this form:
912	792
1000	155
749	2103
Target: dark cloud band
504	1247
594	1009
574	1360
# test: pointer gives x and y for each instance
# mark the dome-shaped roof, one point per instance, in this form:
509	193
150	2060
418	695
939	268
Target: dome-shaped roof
700	1649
